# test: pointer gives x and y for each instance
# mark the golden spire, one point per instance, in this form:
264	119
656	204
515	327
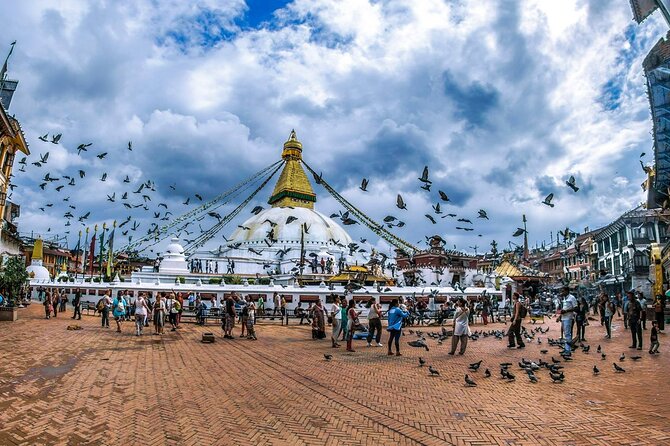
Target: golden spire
293	188
38	250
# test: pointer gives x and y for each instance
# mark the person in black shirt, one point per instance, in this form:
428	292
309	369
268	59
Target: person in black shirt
76	303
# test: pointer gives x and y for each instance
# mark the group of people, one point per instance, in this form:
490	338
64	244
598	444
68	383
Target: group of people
634	307
54	303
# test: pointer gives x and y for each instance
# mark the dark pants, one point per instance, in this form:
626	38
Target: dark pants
608	326
515	332
581	330
660	318
643	319
77	311
394	337
375	328
625	321
602	315
636	332
105	317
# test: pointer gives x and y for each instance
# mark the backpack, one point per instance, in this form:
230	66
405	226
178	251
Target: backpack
100	305
523	312
119	305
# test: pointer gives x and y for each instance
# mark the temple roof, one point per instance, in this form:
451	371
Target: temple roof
293	188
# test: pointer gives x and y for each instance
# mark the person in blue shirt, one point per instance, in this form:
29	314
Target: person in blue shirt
395	318
119	310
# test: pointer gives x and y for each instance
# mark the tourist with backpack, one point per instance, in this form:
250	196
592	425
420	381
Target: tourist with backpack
518	314
103	306
119	306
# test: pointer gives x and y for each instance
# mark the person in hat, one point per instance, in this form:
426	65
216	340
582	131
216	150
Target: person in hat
634	316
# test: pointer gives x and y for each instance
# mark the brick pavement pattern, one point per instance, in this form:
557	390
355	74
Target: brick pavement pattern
97	387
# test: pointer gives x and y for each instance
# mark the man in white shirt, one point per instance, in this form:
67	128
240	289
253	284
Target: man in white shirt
568	306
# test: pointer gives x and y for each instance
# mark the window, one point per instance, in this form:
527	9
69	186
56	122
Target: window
623	236
608	248
601	247
617	265
615	241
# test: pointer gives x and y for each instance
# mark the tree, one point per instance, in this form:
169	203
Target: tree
13	277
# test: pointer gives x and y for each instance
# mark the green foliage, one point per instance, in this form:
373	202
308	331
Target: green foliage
63	279
13	277
233	280
182	280
214	281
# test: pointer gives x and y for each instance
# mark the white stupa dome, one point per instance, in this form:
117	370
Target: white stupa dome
37	271
174	260
321	230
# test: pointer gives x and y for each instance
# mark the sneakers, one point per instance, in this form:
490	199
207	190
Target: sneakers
379	344
369	345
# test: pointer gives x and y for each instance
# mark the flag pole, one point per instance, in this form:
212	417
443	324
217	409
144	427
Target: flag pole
83	260
102	241
92	251
76	260
110	249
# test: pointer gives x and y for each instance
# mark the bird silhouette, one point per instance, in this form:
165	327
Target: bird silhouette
400	203
102	155
487	373
482	214
422	362
443	196
571	184
56	138
328	357
469	382
618	368
433	371
547	200
364	185
518	232
596	371
430	217
424	176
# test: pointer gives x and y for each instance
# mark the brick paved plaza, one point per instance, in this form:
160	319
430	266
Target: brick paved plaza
95	386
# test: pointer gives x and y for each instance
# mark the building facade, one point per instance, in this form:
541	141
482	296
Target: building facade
12	142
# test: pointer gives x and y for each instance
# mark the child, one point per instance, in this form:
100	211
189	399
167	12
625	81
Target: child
654	338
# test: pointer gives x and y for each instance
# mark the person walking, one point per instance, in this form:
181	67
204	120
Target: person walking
159	315
141	311
461	327
517	317
486	310
608	314
581	315
345	319
336	317
76	304
602	303
119	311
653	349
47	305
374	323
568	307
244	314
173	308
634	314
251	319
395	318
352	321
105	307
318	315
63	303
55	302
229	318
659	311
643	310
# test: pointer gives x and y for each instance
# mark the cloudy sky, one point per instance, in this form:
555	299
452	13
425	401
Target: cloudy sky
502	99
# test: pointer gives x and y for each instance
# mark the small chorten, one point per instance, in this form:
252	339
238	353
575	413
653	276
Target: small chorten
36	270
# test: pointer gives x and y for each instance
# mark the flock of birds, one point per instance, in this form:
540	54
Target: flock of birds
464	224
137	197
554	367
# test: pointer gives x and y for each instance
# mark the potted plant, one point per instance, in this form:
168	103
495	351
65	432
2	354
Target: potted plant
13	278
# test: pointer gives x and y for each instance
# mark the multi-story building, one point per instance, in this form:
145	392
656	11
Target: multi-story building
624	248
12	142
55	258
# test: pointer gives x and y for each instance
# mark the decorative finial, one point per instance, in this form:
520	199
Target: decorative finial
292	136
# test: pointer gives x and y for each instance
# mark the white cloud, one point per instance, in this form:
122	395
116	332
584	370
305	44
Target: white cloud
503	100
